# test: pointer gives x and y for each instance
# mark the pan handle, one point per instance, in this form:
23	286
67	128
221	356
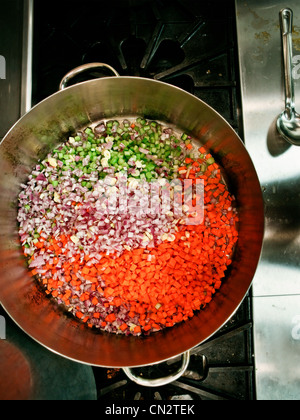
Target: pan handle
160	381
83	68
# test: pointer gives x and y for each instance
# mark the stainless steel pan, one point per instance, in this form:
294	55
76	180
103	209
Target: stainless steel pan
52	121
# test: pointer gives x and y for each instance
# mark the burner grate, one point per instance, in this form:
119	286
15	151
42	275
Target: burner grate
191	45
220	369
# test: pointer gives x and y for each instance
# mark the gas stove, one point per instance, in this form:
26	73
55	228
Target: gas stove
202	47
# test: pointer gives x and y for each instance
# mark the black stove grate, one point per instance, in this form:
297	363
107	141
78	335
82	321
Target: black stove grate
220	369
187	43
190	44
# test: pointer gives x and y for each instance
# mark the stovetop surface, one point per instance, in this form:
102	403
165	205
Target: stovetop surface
276	286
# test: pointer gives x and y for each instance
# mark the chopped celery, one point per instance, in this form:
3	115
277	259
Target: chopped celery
184	137
91	152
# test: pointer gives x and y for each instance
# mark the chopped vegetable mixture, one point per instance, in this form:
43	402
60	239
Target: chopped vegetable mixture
112	237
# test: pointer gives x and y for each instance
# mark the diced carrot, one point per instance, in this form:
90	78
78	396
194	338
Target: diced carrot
85	270
147	327
110	318
95	301
137	330
182	168
124	327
